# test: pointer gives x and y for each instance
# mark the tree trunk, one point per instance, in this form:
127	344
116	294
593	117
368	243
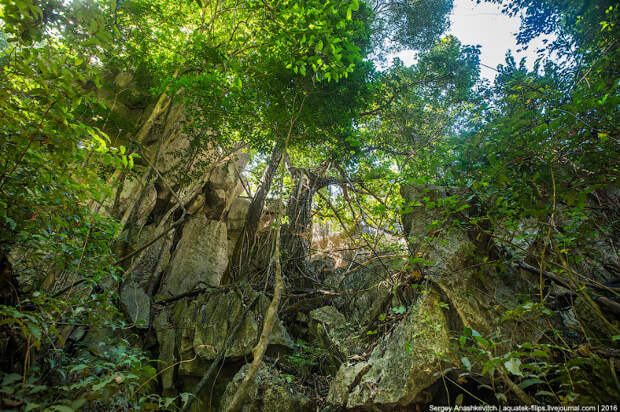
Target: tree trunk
297	233
242	253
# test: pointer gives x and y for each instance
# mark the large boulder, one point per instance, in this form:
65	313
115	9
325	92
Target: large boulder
236	219
129	194
402	365
166	337
432	230
200	258
270	392
455	260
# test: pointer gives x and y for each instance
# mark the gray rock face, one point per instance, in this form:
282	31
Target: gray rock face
200	257
429	228
401	366
472	288
344	382
235	220
166	336
149	198
329	329
145	269
270	392
370	288
136	304
215	202
204	323
129	194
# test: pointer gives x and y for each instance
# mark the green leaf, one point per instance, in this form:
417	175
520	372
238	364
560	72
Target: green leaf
102	384
399	310
11	222
465	361
459	399
540	353
529	382
78	368
185	397
11	379
61	408
514	366
480	340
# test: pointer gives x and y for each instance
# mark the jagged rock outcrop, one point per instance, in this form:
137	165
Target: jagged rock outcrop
200	257
174	287
367	287
235	220
455	259
459	292
330	330
269	392
147	266
401	366
198	328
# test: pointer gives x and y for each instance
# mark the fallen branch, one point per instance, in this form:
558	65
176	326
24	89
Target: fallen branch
193	292
606	303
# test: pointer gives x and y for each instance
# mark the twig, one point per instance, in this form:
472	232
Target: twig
608	304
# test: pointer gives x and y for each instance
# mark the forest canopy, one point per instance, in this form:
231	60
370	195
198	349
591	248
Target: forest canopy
123	122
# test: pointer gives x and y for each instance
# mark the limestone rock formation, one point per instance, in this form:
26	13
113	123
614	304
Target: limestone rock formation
137	304
236	219
200	257
147	266
330	329
369	286
269	392
204	323
401	366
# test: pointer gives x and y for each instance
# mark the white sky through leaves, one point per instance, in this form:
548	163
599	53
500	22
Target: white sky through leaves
484	24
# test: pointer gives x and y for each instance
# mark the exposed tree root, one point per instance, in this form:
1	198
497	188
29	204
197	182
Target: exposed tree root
261	347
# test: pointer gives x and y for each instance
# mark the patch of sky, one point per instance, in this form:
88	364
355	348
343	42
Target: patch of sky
484	24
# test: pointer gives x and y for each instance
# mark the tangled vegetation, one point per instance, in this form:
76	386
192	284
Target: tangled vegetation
92	90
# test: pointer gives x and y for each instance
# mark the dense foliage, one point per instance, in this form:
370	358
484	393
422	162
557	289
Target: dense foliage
297	80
